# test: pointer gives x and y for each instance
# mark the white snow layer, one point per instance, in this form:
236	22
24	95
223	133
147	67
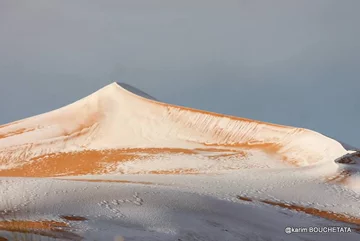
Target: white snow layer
179	207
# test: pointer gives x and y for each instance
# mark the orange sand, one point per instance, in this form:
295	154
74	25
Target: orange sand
312	211
10	225
17	132
45	228
269	148
71	163
11	123
342	177
216	149
94	161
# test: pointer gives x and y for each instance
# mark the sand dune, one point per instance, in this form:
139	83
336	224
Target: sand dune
119	164
114	119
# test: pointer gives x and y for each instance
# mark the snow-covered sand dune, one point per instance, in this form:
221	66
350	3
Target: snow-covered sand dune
135	168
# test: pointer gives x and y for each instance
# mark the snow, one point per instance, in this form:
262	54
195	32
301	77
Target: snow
138	169
184	210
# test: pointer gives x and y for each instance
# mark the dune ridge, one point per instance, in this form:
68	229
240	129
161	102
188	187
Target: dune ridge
116	118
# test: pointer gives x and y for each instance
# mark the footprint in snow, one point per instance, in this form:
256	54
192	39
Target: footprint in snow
113	204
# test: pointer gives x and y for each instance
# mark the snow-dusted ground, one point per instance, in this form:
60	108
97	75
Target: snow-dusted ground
177	207
118	166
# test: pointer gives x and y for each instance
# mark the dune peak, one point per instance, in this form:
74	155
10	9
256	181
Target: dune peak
133	90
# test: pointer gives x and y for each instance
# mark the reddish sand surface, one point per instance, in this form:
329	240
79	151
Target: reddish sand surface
71	163
341	178
268	148
312	211
17	132
46	228
347	170
74	218
94	161
9	124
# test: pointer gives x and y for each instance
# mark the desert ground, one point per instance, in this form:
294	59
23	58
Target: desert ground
121	165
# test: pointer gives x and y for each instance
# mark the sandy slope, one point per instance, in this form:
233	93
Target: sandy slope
114	118
147	170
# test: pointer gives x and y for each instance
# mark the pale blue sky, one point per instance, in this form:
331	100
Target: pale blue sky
282	61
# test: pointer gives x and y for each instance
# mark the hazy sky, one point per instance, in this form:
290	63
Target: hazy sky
289	62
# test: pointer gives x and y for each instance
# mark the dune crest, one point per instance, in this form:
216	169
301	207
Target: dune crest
119	116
